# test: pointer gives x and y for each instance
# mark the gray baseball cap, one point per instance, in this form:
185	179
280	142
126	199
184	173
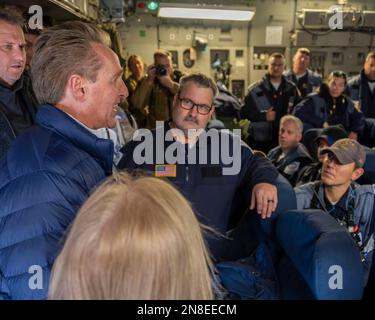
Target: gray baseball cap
347	151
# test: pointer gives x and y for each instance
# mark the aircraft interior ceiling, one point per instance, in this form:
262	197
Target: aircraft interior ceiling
239	48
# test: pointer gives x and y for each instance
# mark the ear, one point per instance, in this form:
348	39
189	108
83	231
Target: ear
175	100
76	85
299	137
357	173
212	110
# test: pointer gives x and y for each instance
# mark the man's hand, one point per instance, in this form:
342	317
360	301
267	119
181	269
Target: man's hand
271	114
264	198
166	81
151	73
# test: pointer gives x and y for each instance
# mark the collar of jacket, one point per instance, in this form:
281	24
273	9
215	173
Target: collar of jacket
267	83
363	77
17	86
168	127
57	121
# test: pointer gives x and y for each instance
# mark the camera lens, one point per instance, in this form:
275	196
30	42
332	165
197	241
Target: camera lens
161	70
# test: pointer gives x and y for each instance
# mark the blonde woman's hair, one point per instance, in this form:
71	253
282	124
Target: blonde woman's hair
134	238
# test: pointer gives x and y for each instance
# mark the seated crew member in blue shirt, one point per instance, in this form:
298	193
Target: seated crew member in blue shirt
215	196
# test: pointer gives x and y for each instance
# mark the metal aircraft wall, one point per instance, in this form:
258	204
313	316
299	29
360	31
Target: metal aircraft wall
246	46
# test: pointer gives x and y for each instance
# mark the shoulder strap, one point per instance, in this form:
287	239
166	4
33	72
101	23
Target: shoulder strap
315	203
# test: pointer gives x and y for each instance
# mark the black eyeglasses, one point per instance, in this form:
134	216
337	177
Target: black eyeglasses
187	104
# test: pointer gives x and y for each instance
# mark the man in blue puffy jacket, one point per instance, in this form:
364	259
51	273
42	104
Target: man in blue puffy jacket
51	168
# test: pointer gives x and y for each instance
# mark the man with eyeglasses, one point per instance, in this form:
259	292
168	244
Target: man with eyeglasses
17	101
215	196
338	194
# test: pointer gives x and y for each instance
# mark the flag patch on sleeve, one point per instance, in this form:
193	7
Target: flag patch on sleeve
165	170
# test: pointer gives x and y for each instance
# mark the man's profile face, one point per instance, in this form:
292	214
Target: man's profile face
369	68
289	135
12	53
334	173
276	67
107	91
191	119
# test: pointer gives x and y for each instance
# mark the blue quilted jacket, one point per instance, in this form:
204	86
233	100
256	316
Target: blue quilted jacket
47	174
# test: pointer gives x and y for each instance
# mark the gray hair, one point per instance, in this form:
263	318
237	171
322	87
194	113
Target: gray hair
294	119
200	80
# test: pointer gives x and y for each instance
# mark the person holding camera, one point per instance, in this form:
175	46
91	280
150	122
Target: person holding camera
154	94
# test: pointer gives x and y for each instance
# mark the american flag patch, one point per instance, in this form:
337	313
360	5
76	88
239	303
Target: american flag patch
165	170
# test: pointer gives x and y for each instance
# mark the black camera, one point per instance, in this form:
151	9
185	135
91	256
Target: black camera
160	70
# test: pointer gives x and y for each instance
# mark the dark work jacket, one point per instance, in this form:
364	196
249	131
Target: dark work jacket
18	108
292	163
358	90
310	173
306	84
262	95
320	107
19	104
216	198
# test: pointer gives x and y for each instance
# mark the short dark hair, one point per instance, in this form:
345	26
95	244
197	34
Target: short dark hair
337	74
12	18
200	80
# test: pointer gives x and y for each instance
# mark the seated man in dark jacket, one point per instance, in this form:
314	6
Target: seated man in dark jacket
326	138
52	167
196	162
290	156
330	106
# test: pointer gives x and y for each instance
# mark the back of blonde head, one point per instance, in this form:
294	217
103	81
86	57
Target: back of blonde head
135	238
